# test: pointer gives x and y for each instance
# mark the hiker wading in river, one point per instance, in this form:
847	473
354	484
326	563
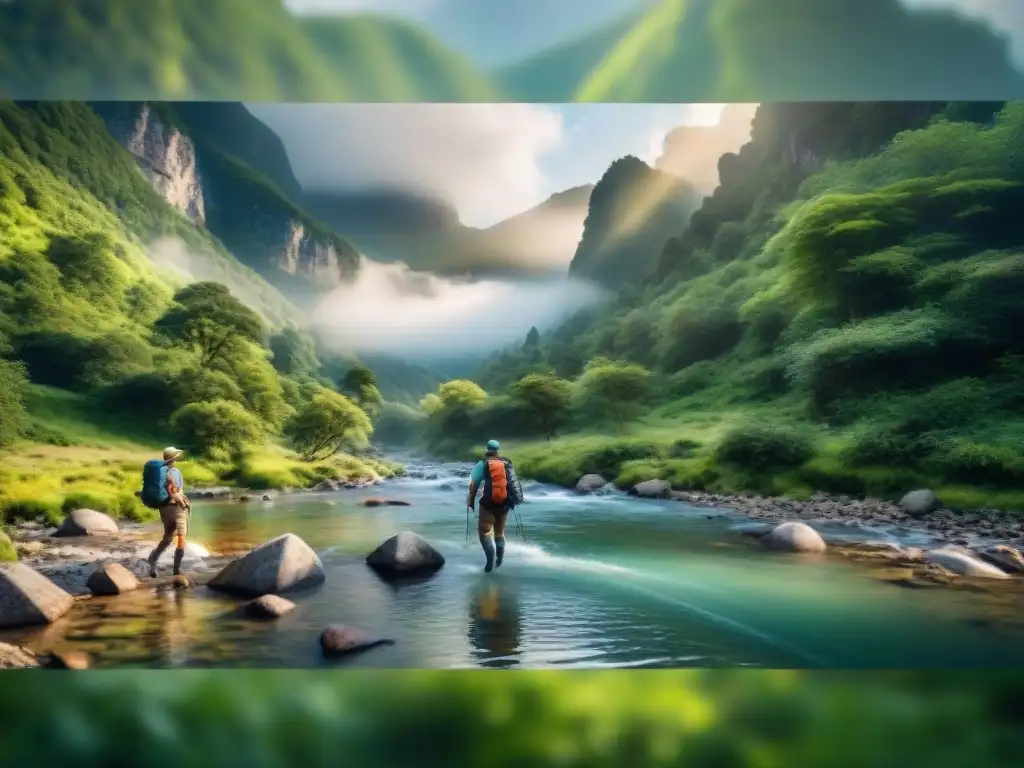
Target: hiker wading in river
163	489
501	493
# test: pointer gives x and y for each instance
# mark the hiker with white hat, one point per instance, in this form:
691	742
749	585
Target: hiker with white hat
163	489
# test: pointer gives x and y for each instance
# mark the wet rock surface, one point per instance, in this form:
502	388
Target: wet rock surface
269	607
111	579
405	555
282	564
27	597
86	522
339	640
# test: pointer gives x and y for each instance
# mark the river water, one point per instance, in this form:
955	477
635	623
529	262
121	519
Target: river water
587	582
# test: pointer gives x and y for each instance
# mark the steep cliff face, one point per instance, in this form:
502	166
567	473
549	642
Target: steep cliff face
249	213
164	154
634	209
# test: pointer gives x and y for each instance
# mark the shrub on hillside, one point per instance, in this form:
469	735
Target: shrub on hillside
972	463
115	356
152	395
54	358
614	392
216	428
696	333
759	448
13	417
607	459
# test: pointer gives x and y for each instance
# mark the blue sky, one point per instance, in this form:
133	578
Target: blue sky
489	160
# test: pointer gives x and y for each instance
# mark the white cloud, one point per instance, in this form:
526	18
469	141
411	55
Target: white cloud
483	158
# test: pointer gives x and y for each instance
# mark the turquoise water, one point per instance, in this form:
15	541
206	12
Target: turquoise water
597	582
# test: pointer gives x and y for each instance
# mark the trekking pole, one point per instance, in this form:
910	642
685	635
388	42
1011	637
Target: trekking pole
519	524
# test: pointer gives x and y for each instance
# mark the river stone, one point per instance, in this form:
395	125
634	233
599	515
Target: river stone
16	657
327	485
339	640
405	555
794	537
652	489
1004	558
275	566
963	564
919	503
68	659
27	597
111	579
86	522
269	607
590	483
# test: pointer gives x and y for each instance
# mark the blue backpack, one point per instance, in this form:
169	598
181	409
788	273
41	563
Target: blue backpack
154	484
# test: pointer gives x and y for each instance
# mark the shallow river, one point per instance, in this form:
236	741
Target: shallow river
597	582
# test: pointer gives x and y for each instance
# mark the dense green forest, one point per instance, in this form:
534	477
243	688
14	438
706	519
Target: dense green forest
844	314
646	719
104	355
675	51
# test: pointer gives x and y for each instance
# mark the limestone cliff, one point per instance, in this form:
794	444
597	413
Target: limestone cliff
249	213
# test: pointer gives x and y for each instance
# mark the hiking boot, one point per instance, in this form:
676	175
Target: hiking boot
499	550
151	562
179	555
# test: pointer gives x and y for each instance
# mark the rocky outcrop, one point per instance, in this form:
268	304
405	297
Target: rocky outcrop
340	640
86	522
794	537
165	155
16	657
963	564
1006	559
405	555
269	607
112	579
283	564
28	597
633	211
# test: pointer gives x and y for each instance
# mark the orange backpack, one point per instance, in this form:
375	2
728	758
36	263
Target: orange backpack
495	482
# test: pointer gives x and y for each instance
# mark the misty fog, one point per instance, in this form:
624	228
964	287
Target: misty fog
390	309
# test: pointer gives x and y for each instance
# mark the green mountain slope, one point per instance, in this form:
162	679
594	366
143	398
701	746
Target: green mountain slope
747	50
841	315
250	50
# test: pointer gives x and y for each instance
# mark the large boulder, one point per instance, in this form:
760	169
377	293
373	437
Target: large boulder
86	522
652	489
794	537
279	565
920	503
405	555
1004	558
28	597
963	564
340	640
590	484
111	579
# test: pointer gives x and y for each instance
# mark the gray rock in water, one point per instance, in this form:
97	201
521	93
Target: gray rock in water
327	485
963	564
920	503
340	640
794	537
16	657
405	555
279	565
28	597
1004	558
269	607
112	579
86	522
652	489
590	484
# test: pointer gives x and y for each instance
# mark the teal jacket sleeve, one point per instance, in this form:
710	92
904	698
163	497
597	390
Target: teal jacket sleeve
477	475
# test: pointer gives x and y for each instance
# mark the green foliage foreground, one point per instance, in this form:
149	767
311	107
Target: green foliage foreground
572	720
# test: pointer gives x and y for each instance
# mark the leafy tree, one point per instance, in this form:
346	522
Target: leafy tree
461	393
431	404
615	390
294	353
216	428
326	423
355	379
546	400
115	356
207	316
89	267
